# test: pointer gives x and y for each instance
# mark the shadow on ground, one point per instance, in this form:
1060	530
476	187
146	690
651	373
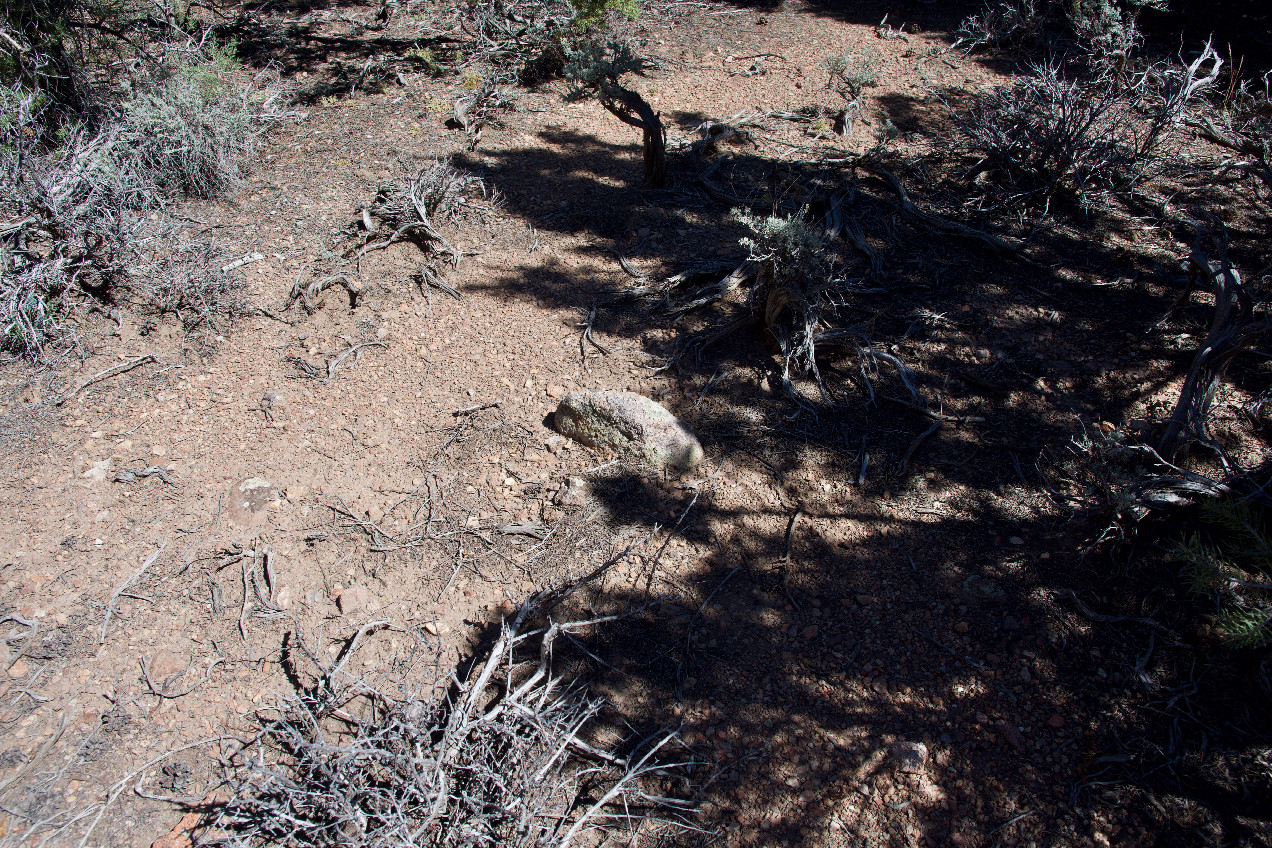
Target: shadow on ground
872	583
929	601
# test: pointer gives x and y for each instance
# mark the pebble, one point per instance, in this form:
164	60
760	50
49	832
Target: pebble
962	628
1056	721
1016	540
910	757
810	632
1012	735
573	493
430	628
556	392
507	607
354	599
19	669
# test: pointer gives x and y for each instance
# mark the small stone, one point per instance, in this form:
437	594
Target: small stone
430	628
1010	623
354	599
556	392
99	472
1012	735
910	757
962	628
555	444
1025	676
248	500
163	665
1015	540
158	450
1056	721
507	608
573	493
864	600
19	669
810	632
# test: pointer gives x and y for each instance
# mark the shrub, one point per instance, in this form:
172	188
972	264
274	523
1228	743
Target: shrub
589	13
191	126
1108	30
1231	562
1003	25
1104	32
78	193
597	68
1049	135
851	73
508	758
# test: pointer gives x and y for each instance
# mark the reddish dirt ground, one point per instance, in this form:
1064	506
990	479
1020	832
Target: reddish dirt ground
816	624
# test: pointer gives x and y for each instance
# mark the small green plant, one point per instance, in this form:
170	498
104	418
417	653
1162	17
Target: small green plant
851	73
436	106
1108	29
596	68
1231	562
590	13
328	100
423	56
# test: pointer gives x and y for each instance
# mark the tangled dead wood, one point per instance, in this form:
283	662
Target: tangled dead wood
506	757
1237	324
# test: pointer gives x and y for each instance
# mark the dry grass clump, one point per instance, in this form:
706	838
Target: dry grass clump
191	126
506	757
80	199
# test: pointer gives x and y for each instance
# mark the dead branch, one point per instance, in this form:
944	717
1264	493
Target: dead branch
130	475
334	364
931	221
904	464
127	584
309	293
112	371
630	108
1234	327
504	754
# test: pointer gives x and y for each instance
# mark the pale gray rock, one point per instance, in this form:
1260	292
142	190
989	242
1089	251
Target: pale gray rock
573	492
628	423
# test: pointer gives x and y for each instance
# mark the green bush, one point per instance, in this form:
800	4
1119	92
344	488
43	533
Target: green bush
590	13
191	126
1230	561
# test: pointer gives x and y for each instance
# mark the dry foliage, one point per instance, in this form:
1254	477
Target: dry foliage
1049	135
506	756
